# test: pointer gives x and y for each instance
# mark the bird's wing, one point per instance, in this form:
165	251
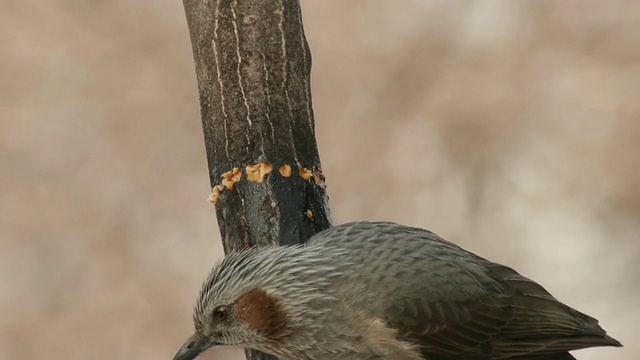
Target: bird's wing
450	329
451	302
521	321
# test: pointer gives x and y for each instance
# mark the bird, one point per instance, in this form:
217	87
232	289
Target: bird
378	291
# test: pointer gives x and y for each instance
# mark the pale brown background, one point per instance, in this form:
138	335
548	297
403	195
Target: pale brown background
509	127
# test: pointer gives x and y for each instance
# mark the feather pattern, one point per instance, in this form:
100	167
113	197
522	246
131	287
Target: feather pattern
374	290
454	303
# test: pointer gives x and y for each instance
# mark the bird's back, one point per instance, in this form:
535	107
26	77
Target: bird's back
450	302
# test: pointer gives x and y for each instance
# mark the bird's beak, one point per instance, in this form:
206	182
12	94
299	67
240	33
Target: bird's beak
192	348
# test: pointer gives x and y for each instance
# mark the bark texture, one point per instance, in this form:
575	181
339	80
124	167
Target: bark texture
253	68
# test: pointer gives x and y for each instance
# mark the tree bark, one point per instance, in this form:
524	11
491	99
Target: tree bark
253	68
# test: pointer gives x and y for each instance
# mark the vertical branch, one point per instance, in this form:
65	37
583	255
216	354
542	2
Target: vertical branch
253	68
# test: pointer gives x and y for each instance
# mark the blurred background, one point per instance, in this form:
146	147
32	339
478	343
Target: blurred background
509	127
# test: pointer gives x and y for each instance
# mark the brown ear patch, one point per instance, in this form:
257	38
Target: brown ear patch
262	312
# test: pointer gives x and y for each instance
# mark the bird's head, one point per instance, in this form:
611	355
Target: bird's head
233	309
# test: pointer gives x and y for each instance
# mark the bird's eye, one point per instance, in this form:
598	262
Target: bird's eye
221	313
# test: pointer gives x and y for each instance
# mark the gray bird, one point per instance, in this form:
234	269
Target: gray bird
379	290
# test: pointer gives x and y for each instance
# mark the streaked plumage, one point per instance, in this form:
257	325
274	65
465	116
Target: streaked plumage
379	290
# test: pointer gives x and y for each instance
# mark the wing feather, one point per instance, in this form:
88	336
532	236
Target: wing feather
454	304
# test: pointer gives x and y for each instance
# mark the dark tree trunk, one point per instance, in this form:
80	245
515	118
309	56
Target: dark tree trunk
253	67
